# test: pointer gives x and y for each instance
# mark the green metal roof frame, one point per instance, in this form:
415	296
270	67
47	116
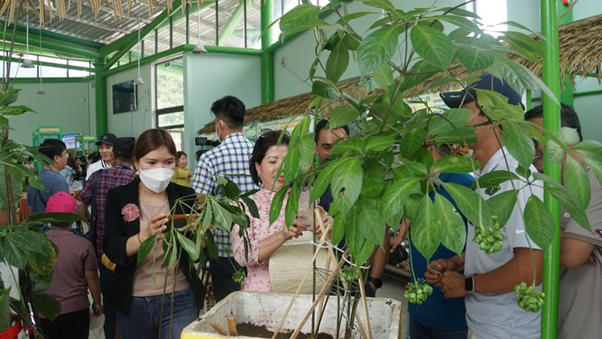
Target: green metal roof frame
57	36
61	44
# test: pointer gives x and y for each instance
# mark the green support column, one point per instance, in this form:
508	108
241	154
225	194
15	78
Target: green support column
100	82
267	77
529	99
551	77
567	89
267	58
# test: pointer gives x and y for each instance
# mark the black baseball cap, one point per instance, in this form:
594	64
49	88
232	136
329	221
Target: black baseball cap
107	138
488	82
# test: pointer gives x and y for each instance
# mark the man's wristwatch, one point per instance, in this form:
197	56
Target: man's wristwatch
469	283
378	283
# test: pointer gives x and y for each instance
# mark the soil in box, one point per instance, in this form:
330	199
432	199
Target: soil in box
250	330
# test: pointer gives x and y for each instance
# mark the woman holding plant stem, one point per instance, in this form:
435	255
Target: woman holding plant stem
264	239
151	301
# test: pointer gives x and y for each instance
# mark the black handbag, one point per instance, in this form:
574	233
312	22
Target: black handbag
399	255
91	234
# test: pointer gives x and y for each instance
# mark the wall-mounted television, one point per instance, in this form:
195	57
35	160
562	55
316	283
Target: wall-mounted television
124	97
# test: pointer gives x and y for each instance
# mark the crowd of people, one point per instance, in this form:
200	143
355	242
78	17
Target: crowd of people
129	192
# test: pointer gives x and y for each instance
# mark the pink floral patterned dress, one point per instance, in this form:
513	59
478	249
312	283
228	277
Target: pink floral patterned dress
258	275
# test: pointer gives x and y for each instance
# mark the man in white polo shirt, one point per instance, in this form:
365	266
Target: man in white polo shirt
489	280
107	158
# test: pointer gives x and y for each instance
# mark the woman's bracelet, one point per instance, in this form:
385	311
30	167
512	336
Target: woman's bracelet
139	240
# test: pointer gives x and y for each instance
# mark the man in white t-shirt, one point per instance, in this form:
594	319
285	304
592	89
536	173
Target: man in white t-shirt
107	158
488	280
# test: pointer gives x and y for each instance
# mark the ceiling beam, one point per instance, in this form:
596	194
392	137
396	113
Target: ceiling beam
95	24
144	20
71	34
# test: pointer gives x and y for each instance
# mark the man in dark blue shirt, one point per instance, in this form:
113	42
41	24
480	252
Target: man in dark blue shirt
438	317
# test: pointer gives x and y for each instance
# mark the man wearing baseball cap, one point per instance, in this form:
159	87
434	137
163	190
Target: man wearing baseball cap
488	280
105	148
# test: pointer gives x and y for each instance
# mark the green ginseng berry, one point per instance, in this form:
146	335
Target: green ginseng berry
490	239
350	273
528	298
239	276
417	292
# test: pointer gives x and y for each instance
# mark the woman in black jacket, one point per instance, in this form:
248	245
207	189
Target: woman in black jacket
134	213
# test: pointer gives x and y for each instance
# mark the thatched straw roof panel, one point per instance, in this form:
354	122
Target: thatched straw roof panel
580	47
295	105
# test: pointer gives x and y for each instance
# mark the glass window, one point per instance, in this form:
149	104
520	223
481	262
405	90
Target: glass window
170	84
79	63
281	7
253	29
53	60
177	134
492	13
224	13
207	19
74	73
169	89
16	71
164	37
171	119
149	44
53	72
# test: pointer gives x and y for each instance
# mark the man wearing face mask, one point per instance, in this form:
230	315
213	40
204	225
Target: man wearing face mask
231	160
94	194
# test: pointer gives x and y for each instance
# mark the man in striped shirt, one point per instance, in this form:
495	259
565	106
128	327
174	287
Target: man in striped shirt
231	160
95	193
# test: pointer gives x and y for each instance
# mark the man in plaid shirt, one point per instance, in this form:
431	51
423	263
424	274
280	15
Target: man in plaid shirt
231	160
105	179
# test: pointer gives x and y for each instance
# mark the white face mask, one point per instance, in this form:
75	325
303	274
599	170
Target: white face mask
156	179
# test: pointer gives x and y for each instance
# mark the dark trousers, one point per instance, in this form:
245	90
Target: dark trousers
73	325
419	331
109	311
222	271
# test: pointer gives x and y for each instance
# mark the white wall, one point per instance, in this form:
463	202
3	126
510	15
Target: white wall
586	8
68	105
131	124
209	77
524	12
